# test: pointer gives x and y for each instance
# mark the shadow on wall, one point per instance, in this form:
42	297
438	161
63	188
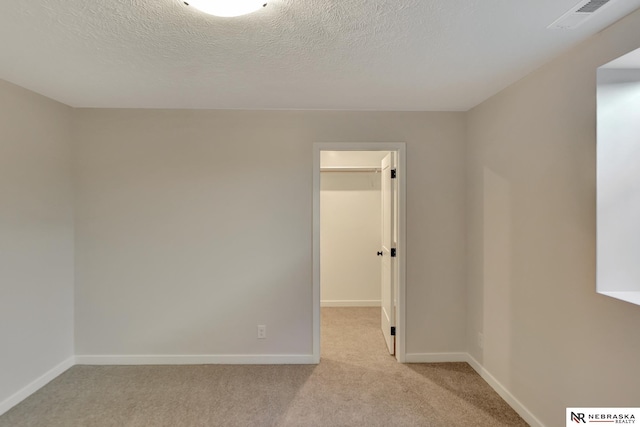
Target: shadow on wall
497	317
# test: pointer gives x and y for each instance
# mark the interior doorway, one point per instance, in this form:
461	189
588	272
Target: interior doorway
369	270
350	228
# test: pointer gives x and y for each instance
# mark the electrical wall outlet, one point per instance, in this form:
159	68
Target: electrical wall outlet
481	340
262	332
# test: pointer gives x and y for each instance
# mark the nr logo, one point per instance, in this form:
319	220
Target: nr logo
576	418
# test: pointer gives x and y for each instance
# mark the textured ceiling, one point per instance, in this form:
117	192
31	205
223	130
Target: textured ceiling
294	54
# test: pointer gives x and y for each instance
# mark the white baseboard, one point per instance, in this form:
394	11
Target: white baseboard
35	385
350	303
435	357
237	359
504	393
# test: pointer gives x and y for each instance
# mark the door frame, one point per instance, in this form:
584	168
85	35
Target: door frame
400	149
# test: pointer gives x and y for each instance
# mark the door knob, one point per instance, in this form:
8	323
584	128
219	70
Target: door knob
379	253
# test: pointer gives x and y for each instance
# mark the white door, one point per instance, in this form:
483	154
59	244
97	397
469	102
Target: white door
388	263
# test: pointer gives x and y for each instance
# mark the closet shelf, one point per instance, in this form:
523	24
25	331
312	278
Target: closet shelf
349	169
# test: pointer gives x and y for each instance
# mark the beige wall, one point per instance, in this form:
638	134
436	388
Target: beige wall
195	226
549	338
36	239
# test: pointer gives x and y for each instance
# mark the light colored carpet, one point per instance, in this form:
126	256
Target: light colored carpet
356	384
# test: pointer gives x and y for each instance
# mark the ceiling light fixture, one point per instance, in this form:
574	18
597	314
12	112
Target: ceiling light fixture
226	8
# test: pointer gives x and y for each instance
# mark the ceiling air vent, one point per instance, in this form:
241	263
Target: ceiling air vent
578	14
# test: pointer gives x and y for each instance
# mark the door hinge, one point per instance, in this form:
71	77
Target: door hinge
393	174
393	331
393	252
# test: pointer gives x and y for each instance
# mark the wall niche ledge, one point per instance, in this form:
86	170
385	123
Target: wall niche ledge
618	179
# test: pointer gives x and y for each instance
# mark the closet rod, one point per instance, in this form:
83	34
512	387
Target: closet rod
349	169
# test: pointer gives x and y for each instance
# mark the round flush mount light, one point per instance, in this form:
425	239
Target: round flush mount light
226	8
